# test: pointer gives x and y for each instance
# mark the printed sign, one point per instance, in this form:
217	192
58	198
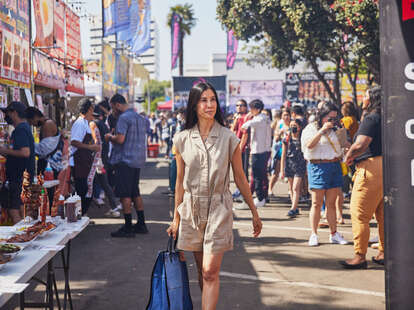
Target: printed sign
269	92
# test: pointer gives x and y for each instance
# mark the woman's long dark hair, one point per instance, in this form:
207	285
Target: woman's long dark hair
191	118
374	99
325	110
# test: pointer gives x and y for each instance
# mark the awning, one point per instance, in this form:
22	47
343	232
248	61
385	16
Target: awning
165	106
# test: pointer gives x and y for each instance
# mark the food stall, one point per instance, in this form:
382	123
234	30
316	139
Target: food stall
32	244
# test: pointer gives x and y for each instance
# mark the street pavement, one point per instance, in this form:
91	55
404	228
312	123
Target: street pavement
275	271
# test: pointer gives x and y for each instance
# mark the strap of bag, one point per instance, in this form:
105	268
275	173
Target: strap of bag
171	245
331	143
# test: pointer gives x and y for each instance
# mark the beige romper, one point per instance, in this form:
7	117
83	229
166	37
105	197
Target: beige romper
206	213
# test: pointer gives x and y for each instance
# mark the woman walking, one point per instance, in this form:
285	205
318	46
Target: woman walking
322	150
293	165
203	216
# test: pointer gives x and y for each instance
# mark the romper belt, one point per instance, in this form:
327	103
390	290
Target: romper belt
196	201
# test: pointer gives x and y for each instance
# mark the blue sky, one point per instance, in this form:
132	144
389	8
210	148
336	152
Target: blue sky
207	36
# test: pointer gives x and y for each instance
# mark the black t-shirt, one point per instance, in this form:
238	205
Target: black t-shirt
371	127
103	130
15	166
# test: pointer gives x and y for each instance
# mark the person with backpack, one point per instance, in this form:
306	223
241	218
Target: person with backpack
49	150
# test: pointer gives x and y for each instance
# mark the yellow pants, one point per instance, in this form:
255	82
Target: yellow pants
367	199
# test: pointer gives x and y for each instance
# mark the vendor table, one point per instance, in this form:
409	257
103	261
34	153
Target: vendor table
34	257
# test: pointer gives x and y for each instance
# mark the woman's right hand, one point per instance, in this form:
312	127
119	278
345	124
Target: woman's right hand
326	127
173	229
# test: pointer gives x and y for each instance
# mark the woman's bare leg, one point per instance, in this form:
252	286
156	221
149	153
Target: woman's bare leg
211	280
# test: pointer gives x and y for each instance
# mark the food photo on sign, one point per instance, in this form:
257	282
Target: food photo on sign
44	22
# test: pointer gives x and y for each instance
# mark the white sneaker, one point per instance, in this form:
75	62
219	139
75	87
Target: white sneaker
118	208
242	206
313	240
374	239
112	213
259	203
99	201
337	238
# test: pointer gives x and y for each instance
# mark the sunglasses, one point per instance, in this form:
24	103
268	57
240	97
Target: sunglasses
241	105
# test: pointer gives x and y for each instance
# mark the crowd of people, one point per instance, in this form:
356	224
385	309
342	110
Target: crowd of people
325	154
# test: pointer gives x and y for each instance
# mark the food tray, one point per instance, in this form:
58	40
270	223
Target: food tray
14	254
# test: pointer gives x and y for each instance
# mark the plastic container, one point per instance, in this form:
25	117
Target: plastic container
48	175
153	150
61	207
70	209
78	205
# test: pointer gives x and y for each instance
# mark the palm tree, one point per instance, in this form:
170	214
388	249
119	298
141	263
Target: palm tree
187	22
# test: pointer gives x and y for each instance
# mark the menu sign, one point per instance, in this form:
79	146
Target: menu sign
75	81
14	43
73	39
48	73
43	10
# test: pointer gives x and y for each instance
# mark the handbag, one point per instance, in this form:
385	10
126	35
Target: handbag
170	289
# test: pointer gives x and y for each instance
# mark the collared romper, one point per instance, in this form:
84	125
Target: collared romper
206	213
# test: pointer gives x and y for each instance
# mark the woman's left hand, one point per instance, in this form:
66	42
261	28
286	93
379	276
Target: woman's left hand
257	225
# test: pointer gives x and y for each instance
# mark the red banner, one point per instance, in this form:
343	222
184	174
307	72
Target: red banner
59	31
43	10
73	39
47	72
75	81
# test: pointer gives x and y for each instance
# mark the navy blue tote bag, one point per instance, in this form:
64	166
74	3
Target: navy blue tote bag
170	289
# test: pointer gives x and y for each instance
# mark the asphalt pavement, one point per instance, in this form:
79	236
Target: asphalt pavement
275	271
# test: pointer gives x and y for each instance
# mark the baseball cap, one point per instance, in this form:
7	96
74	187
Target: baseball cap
15	106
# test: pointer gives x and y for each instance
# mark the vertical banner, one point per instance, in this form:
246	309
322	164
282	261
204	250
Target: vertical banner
44	20
142	35
128	34
73	40
175	40
232	45
122	15
397	76
59	31
108	17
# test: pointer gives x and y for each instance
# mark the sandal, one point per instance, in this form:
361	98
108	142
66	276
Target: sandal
378	261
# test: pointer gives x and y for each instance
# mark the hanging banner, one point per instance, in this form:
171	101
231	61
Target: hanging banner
122	15
14	43
270	92
108	17
59	31
92	69
44	20
232	45
75	82
73	40
141	41
175	40
182	86
108	71
134	18
121	71
397	76
47	72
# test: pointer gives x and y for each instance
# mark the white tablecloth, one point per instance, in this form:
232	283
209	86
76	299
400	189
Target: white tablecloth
32	258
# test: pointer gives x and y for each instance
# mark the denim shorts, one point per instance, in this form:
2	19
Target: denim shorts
325	175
